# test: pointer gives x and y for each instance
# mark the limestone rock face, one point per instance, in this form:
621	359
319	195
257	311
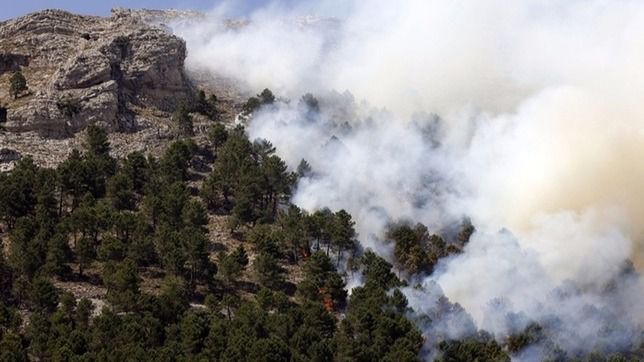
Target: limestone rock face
84	70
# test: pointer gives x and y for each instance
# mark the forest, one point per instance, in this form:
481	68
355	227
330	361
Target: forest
276	291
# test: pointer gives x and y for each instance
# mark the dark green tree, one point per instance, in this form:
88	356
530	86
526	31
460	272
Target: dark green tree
276	185
478	348
6	281
120	190
68	106
85	253
17	84
232	265
43	296
342	233
183	120
234	159
294	232
12	348
169	247
410	249
19	191
271	349
254	103
198	266
96	142
266	240
206	106
175	162
322	282
122	284
318	227
378	271
99	165
217	135
194	214
251	105
83	314
268	271
27	251
173	300
111	248
138	170
244	211
59	255
375	329
72	177
266	97
194	330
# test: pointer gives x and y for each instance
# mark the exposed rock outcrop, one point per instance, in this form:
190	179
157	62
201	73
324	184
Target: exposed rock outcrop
89	70
11	62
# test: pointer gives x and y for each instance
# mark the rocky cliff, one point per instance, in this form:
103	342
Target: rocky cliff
82	70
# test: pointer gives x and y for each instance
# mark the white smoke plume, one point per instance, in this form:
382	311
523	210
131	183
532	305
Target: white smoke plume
539	142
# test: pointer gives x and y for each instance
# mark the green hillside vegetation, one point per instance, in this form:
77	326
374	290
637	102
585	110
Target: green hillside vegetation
208	263
96	220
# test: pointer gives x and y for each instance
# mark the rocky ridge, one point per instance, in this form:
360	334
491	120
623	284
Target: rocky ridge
89	70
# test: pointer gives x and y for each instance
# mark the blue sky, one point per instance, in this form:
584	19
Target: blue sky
13	8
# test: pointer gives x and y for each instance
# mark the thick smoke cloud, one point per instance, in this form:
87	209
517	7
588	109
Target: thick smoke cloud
539	142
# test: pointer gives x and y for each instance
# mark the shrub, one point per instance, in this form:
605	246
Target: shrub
17	84
68	107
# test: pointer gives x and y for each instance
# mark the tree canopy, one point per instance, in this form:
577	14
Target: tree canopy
17	84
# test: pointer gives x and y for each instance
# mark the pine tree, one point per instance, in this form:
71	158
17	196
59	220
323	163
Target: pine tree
122	284
58	256
173	300
120	190
138	170
268	271
322	283
183	120
217	135
19	191
72	176
294	232
43	296
100	166
231	265
85	253
176	160
17	84
96	142
198	266
27	251
11	348
342	233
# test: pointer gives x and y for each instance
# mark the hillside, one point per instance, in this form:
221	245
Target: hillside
155	206
119	72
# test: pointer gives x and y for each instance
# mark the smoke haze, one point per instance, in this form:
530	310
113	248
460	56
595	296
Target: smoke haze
524	116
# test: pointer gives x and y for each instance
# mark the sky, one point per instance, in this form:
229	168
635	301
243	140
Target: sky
102	7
